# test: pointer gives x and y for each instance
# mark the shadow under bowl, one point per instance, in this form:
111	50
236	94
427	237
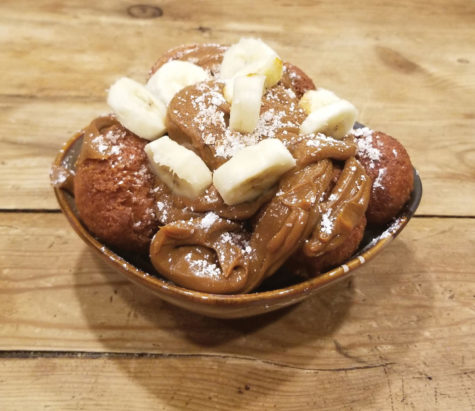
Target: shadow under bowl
266	299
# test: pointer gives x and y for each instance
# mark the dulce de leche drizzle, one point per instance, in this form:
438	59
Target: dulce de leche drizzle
99	142
341	211
100	139
209	246
205	253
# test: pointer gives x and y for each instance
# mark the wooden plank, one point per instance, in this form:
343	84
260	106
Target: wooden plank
411	306
54	76
348	56
222	383
32	131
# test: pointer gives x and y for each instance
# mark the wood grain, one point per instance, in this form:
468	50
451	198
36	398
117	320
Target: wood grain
222	383
403	329
54	76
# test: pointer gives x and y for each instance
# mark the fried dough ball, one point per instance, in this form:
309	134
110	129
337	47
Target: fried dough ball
388	164
207	56
114	194
296	79
340	254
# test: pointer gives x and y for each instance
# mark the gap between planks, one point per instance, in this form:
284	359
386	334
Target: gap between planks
25	354
57	211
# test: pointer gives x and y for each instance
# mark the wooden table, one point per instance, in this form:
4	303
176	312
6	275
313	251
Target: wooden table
400	335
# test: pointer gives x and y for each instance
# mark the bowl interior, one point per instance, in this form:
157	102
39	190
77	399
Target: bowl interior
278	291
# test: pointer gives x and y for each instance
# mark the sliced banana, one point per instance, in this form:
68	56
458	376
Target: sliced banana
251	56
246	105
137	109
183	171
272	69
170	78
314	99
228	90
252	171
335	120
272	72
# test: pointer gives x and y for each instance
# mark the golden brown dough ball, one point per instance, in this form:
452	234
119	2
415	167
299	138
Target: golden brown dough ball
388	164
207	56
294	78
114	195
340	254
307	267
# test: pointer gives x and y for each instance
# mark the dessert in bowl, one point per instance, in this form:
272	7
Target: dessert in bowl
230	185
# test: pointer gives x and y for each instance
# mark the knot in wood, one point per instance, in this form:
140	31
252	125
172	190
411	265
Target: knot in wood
144	11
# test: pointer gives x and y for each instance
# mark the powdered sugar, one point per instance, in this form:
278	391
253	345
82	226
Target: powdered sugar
163	212
269	124
208	220
237	239
362	132
202	267
315	140
378	181
58	175
389	232
326	224
365	146
234	141
312	143
210	113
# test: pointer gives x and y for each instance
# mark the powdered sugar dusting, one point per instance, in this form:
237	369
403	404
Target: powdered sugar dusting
378	181
326	224
59	175
237	239
389	232
362	132
365	146
208	220
210	112
315	140
202	267
269	124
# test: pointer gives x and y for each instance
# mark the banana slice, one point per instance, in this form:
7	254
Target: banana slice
314	99
335	120
252	171
246	105
250	56
170	78
228	90
272	71
183	171
137	109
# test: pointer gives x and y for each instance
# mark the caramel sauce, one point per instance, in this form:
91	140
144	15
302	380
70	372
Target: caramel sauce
228	256
206	245
63	178
99	138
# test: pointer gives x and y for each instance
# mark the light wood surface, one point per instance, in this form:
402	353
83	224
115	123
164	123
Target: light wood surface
399	335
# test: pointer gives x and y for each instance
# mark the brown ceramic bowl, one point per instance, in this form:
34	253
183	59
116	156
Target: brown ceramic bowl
270	296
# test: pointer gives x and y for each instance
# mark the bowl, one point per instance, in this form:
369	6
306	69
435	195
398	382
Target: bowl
271	296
